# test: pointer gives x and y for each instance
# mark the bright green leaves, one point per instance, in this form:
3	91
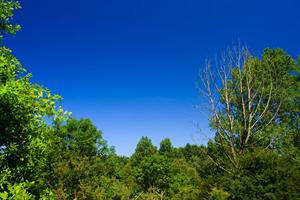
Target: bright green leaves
218	194
10	67
12	191
7	8
26	110
17	191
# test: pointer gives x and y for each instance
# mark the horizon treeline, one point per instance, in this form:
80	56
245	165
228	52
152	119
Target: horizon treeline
254	103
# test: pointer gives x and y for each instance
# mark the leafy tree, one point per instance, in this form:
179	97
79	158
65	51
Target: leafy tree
166	147
24	107
144	149
80	164
189	151
250	94
265	175
255	113
81	137
154	172
185	182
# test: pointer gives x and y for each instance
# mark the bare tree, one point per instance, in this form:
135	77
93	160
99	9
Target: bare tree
241	98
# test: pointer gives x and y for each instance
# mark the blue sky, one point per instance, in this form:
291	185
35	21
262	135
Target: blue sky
131	66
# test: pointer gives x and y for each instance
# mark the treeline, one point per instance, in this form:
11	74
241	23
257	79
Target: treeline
76	163
255	153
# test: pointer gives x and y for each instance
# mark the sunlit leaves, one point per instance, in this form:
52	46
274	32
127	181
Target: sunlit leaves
7	8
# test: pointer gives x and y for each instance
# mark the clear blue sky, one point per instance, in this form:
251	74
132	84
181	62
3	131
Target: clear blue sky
131	66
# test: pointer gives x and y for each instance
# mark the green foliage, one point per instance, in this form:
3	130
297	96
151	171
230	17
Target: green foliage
10	191
7	9
144	149
185	182
81	138
153	171
264	175
18	191
24	106
165	147
80	164
218	194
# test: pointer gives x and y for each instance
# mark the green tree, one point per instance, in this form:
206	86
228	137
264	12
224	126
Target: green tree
185	182
81	137
264	175
24	107
143	149
80	163
250	93
154	172
165	147
255	113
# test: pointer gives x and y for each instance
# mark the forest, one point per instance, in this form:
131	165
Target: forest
254	104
